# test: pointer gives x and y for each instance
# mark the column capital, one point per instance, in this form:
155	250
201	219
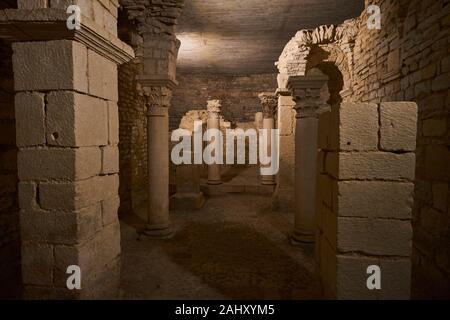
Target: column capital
306	92
158	94
269	103
214	106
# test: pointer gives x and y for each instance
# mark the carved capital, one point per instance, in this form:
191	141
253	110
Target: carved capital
157	100
214	107
306	92
269	103
154	17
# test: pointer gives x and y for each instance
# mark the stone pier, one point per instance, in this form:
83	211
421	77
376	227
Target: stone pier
365	193
67	134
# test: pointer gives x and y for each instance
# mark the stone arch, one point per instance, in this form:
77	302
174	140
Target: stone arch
325	44
331	61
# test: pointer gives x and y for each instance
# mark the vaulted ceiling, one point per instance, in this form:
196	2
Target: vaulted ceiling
248	36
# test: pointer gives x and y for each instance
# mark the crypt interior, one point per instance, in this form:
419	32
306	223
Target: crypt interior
88	114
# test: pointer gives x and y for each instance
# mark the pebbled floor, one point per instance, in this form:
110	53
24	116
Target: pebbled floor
233	248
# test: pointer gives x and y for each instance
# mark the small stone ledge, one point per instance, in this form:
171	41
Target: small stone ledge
18	25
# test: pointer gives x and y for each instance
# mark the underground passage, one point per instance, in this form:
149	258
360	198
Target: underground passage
224	150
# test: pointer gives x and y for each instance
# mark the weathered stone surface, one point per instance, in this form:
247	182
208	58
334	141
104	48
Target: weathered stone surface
110	159
76	120
113	123
73	164
30	119
374	236
77	195
110	209
92	256
60	227
27	195
31	4
352	277
102	77
37	263
375	199
398	130
358	126
62	65
371	165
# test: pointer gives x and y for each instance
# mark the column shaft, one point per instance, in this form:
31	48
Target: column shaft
214	170
305	179
268	124
158	223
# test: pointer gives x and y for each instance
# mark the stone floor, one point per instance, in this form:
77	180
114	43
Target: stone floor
233	248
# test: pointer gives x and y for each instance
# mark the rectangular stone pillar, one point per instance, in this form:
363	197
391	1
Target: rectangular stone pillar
68	160
365	195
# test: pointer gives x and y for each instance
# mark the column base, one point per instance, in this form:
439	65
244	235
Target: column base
154	231
268	181
299	238
214	182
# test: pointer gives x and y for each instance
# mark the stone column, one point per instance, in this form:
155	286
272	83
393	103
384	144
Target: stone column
214	170
306	92
158	94
269	106
283	198
67	130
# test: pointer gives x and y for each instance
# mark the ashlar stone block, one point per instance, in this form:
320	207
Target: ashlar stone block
92	256
102	77
77	195
371	166
398	131
76	120
358	126
30	119
50	65
37	263
375	199
384	237
71	164
59	227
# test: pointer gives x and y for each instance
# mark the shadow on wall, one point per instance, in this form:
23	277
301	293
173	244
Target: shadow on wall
10	276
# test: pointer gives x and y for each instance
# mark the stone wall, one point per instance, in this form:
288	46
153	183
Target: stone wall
9	211
238	95
409	59
132	139
365	191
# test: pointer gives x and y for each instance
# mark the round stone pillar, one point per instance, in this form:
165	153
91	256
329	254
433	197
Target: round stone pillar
269	103
158	221
213	122
306	92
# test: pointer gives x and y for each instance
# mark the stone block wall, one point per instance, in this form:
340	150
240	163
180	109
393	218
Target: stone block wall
9	209
103	12
67	132
238	95
365	186
409	59
133	139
